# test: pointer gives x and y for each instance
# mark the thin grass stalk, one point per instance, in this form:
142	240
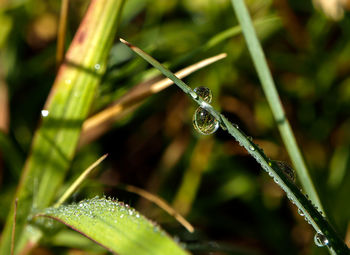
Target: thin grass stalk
62	30
274	101
305	206
72	188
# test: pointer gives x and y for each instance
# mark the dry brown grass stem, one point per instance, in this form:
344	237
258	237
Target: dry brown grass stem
101	122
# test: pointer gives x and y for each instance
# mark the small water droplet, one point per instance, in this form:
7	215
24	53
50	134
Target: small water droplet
250	138
204	93
287	170
44	113
68	81
97	66
301	213
251	147
321	240
193	95
204	122
223	127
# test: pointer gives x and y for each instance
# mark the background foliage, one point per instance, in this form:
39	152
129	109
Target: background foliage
235	207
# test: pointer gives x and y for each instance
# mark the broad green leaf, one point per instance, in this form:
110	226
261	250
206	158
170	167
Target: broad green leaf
67	107
115	226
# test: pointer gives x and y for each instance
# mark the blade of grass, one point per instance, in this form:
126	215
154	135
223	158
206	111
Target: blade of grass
305	206
187	191
220	37
274	101
115	226
66	108
79	180
100	123
62	28
162	204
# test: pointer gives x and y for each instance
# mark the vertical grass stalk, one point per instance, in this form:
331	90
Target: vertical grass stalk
273	99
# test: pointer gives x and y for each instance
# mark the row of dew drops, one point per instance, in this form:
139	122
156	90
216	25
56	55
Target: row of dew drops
206	124
111	208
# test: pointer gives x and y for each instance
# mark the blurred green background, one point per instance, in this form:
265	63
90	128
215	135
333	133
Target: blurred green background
235	207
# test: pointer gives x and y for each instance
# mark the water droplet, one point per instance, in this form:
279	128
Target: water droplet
204	93
68	81
321	240
204	122
251	147
223	127
193	95
301	213
97	66
287	170
44	113
250	138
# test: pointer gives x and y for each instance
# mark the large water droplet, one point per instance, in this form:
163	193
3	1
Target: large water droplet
204	122
321	240
287	170
204	93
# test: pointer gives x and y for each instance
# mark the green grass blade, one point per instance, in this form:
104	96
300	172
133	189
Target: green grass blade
115	226
305	206
273	99
67	107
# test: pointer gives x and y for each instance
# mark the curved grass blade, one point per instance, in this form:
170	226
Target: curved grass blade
115	226
66	108
72	188
162	204
295	195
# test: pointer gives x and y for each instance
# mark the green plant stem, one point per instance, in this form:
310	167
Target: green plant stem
305	206
274	101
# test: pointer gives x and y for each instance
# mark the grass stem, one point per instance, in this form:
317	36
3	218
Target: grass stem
78	181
